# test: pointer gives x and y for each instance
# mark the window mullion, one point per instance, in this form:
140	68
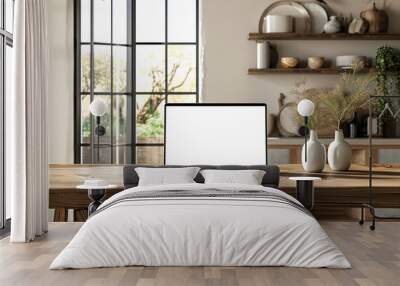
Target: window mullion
133	80
112	83
92	77
166	53
197	51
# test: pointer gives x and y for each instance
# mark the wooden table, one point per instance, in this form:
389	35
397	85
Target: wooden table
350	188
360	147
339	194
64	195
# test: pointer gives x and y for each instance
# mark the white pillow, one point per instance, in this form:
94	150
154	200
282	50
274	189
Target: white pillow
248	177
166	176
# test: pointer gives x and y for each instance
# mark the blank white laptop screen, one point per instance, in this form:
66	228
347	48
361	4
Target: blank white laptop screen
215	134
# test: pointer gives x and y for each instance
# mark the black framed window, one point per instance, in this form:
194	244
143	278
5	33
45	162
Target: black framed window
6	44
135	55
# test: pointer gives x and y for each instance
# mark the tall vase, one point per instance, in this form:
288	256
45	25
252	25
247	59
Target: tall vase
316	154
339	153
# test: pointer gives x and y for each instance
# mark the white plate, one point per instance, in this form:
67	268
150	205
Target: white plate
319	16
288	125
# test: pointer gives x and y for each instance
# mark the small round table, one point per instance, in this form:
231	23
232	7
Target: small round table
96	194
305	190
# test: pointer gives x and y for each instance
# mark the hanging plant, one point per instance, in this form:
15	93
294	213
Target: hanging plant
387	65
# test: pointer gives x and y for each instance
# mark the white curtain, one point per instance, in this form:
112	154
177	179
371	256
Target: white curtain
27	123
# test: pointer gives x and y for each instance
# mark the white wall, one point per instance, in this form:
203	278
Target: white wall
228	52
61	81
227	56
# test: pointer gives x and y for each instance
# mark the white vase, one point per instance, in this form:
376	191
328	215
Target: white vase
316	154
339	153
263	55
333	26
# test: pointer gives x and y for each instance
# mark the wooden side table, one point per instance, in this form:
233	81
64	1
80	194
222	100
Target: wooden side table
305	190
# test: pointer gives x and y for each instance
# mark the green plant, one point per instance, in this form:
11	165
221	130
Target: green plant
387	68
153	127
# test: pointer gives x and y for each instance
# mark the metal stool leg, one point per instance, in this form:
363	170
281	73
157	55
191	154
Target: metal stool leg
372	226
361	222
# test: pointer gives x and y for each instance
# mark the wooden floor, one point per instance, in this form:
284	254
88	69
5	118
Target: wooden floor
375	257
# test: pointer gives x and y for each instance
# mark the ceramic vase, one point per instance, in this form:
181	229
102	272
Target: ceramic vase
263	55
333	26
339	153
378	20
316	154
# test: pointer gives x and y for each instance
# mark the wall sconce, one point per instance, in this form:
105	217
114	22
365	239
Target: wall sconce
98	108
305	109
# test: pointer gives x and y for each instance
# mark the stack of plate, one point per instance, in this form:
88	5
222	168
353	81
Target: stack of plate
347	62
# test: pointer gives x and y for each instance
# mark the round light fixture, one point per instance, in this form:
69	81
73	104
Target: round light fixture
305	108
98	107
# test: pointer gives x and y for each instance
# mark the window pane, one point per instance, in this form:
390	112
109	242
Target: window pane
150	155
181	98
105	122
150	70
85	68
102	155
122	59
121	10
122	119
102	68
9	11
150	20
102	21
122	154
86	155
85	20
181	68
150	118
85	119
182	20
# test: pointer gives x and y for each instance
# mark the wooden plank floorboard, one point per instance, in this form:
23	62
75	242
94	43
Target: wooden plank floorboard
375	257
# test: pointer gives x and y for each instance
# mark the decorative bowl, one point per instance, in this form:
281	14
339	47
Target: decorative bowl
315	62
289	62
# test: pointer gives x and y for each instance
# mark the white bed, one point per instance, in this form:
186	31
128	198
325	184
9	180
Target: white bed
185	230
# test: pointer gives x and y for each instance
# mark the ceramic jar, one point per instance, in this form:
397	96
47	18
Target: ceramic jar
339	153
263	55
278	24
333	26
316	154
358	26
378	20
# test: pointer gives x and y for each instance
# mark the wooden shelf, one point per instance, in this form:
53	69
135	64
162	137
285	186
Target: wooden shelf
254	71
338	36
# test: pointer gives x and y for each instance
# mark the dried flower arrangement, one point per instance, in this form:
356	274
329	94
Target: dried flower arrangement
335	106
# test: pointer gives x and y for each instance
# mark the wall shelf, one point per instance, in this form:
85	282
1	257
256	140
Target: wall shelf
338	36
254	71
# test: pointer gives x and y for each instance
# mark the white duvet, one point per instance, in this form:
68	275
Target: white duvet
206	231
